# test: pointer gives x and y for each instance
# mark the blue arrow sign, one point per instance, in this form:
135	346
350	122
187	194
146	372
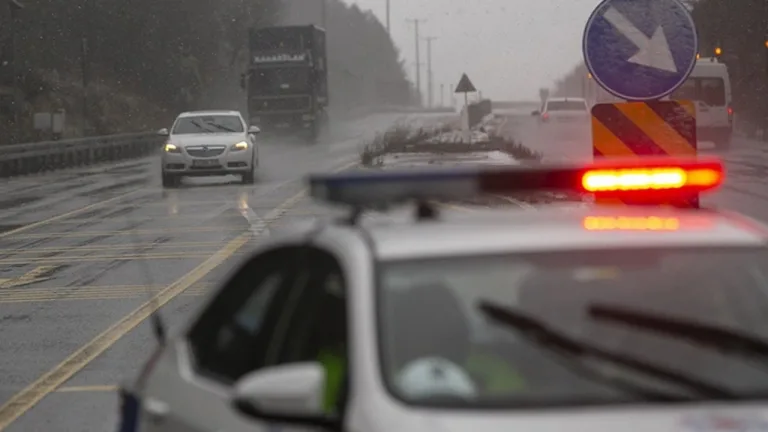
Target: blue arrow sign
640	49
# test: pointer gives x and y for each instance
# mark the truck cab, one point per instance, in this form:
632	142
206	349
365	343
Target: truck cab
286	82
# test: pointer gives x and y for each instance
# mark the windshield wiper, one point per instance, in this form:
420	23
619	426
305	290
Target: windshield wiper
546	337
726	340
220	127
200	126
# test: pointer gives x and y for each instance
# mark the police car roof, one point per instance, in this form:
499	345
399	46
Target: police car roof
493	231
209	113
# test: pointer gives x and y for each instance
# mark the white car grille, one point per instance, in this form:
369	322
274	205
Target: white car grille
205	151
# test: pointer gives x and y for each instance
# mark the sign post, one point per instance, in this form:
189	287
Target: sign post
465	86
642	51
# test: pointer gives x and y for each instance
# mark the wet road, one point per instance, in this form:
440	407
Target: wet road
86	255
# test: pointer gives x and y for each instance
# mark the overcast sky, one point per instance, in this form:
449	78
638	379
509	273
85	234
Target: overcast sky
509	48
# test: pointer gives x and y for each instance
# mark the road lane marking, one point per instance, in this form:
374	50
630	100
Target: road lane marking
96	258
154	231
38	274
22	401
113	247
90	388
76	212
81	293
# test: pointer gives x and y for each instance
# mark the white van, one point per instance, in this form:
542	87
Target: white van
709	86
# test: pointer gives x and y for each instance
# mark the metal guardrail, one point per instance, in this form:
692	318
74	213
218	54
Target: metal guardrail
31	158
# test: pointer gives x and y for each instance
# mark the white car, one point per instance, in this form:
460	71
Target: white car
567	110
580	319
209	143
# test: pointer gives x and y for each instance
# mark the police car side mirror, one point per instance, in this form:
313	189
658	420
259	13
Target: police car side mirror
290	393
254	130
163	132
535	113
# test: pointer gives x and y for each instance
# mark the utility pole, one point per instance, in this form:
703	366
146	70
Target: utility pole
442	95
14	7
429	69
324	13
416	22
388	16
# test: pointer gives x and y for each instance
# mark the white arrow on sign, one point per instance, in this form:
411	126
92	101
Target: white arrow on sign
654	52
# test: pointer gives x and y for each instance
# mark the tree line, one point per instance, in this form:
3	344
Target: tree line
740	30
150	59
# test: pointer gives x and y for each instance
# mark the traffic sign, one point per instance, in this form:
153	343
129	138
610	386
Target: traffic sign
640	49
650	128
465	85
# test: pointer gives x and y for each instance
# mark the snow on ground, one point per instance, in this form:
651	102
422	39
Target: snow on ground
450	159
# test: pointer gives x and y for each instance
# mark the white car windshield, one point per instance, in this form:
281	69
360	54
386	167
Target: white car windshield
208	124
475	315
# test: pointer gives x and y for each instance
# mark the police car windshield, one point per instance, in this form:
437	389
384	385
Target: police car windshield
208	124
429	315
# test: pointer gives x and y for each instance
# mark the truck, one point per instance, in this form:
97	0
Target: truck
286	83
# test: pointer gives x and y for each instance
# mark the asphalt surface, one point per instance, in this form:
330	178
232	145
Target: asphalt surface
81	250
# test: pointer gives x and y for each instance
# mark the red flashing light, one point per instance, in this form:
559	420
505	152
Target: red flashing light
545	116
730	111
653	178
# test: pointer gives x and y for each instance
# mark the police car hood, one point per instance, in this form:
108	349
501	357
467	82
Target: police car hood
699	418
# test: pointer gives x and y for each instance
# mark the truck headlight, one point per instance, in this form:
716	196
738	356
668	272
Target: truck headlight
171	148
242	145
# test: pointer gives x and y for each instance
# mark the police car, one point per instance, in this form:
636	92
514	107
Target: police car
641	316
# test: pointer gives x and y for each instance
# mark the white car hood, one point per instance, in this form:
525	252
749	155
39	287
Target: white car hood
699	418
186	140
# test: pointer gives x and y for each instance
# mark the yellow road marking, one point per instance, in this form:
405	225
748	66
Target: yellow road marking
175	221
81	293
91	388
95	258
69	214
111	247
35	275
154	231
139	232
22	401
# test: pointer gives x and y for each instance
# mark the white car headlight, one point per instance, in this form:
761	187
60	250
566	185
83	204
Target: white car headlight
242	145
171	148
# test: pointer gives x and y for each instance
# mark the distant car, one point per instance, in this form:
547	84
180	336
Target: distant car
565	110
488	320
209	143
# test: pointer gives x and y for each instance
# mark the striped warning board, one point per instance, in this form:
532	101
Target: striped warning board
651	128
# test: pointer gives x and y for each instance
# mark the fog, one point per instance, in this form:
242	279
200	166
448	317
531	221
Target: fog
509	48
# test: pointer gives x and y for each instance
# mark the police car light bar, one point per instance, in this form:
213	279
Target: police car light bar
645	178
